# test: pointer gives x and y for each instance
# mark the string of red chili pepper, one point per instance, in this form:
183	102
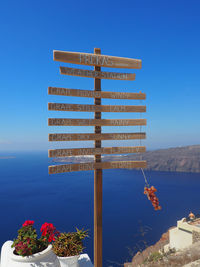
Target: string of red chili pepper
150	192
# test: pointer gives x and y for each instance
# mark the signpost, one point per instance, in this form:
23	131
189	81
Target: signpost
95	151
97	74
96	166
97	60
94	108
90	136
99	94
96	122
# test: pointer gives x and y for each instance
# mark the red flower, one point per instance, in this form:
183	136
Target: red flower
49	231
46	228
51	238
26	223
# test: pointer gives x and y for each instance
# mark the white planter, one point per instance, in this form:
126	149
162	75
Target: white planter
45	258
69	261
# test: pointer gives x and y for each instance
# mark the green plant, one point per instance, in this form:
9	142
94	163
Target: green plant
27	243
154	257
69	244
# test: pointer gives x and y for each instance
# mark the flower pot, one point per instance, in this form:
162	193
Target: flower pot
71	261
45	258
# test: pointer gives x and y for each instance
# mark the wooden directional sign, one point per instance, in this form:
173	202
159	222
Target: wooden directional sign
97	60
94	108
97	74
95	122
97	94
92	136
99	165
95	151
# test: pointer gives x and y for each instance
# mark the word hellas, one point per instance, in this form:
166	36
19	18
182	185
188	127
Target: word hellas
95	60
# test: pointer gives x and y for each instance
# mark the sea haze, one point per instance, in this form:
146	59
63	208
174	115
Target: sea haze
66	200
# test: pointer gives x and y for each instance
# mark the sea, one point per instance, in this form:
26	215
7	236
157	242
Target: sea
28	192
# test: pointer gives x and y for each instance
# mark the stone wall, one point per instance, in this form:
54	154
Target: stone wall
195	237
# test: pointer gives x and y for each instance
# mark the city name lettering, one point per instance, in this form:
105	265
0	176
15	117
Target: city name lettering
94	151
89	136
97	74
73	92
95	60
87	93
95	122
92	165
91	108
94	108
71	168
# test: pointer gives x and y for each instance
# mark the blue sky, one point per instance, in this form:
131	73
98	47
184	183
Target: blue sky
164	34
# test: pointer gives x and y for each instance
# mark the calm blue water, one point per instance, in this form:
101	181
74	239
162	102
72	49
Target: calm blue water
66	200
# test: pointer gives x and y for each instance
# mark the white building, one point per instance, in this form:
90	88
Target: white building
185	234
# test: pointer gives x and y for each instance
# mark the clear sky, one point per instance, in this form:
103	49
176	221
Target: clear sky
164	34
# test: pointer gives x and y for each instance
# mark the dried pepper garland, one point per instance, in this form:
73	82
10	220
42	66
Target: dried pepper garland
150	192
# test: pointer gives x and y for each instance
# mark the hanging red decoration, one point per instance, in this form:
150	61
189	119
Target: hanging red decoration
150	192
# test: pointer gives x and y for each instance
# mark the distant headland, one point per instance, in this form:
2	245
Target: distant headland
178	159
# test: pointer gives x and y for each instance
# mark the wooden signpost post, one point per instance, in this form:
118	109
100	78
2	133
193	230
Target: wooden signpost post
97	60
